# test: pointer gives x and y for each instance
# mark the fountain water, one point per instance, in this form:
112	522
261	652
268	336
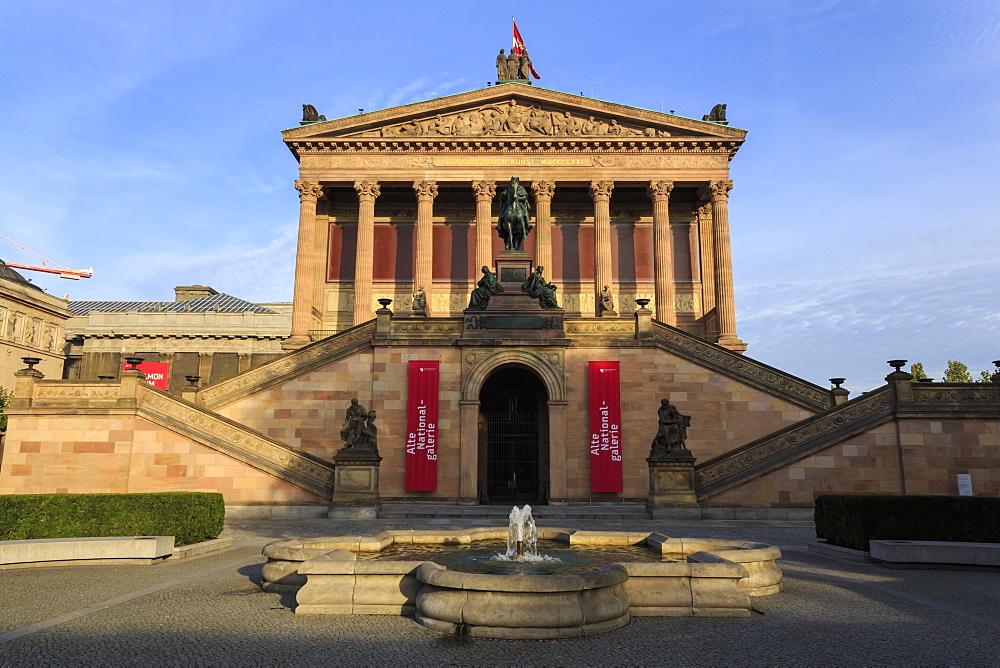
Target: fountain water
522	536
522	539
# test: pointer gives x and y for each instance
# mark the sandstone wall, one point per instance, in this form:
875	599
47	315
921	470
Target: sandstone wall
924	459
102	453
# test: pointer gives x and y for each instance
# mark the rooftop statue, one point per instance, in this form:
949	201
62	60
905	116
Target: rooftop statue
515	217
502	74
310	115
717	115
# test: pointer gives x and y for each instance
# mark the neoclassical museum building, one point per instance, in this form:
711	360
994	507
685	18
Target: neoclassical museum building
522	399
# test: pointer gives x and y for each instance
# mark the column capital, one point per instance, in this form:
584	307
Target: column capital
367	190
484	190
659	191
717	191
426	190
308	189
543	189
600	191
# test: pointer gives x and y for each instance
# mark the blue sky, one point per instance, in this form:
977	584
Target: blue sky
142	139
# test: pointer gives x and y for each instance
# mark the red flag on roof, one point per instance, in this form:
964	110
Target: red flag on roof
518	48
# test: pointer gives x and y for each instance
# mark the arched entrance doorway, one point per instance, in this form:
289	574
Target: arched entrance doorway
513	438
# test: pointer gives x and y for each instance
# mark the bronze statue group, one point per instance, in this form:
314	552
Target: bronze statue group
513	226
512	67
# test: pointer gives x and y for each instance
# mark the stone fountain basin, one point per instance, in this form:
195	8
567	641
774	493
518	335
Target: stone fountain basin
713	578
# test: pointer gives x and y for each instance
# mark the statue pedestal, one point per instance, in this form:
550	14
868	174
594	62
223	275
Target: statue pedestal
355	485
671	486
513	314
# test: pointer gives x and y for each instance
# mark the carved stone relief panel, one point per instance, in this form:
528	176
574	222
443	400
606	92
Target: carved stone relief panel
510	119
549	364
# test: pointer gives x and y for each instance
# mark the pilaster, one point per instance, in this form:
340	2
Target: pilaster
707	269
468	455
663	251
600	193
423	261
364	265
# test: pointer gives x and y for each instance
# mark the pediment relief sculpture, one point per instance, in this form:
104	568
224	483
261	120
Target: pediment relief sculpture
510	119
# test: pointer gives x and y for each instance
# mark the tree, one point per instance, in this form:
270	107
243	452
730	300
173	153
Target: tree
917	371
985	377
957	373
5	396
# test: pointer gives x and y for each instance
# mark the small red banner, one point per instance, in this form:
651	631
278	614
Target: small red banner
421	426
605	427
157	373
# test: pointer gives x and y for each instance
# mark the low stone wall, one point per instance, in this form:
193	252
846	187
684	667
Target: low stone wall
103	550
929	553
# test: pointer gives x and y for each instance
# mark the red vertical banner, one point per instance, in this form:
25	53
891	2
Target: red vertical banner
157	373
421	426
605	427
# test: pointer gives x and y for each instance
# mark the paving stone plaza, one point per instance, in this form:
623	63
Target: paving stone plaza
209	611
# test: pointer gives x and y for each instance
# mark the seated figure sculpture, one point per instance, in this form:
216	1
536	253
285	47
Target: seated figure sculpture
540	289
353	424
671	432
488	286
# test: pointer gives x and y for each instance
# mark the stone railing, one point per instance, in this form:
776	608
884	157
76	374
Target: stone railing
73	393
288	366
745	369
617	328
793	443
955	396
232	439
418	328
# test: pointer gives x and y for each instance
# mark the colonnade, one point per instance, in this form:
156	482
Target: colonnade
718	282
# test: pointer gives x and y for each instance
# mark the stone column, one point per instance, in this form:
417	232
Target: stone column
364	263
543	191
423	260
243	362
600	192
663	251
306	258
725	305
485	191
205	365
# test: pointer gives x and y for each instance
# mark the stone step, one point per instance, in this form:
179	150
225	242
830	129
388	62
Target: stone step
416	511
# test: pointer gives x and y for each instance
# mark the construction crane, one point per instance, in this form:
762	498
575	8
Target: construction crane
64	272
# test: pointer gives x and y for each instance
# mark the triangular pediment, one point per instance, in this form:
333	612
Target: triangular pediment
513	111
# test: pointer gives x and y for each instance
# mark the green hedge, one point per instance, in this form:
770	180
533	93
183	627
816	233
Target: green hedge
852	520
190	517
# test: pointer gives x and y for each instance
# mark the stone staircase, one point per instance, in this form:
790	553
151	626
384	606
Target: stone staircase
793	443
285	368
298	468
791	388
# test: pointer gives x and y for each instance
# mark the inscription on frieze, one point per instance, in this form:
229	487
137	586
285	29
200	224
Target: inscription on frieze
512	162
511	322
513	275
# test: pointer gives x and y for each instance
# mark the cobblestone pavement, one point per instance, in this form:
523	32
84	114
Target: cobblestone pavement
208	611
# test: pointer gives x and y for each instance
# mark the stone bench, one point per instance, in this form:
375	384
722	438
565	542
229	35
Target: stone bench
60	551
935	552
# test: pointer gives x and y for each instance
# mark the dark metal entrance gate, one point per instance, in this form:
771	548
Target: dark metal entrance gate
512	445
